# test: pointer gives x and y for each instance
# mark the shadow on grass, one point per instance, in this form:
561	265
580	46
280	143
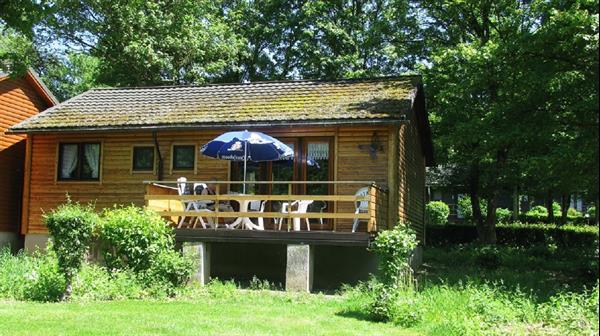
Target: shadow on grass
354	314
539	271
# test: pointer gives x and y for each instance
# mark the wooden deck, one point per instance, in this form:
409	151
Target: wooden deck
361	239
164	199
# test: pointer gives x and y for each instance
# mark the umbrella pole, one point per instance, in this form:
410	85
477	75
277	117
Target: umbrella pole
245	161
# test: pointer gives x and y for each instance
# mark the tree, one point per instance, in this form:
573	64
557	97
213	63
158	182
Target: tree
147	42
78	73
323	39
504	105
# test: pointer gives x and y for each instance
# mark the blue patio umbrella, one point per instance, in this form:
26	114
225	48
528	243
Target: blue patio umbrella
247	146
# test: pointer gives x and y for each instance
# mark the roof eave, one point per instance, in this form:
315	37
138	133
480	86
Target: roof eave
283	123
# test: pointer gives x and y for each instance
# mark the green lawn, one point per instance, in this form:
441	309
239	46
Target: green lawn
241	313
538	290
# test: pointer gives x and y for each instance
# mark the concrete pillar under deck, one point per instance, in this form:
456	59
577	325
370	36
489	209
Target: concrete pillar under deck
201	251
299	268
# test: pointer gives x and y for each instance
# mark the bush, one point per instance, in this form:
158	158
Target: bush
394	248
465	208
45	282
517	234
591	212
36	278
71	226
538	210
170	267
503	215
139	239
132	237
573	213
437	212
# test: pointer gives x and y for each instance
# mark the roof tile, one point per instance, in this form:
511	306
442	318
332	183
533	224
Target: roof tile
368	99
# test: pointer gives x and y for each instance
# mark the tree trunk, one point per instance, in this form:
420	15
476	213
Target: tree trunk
489	229
516	204
565	201
474	195
68	288
596	206
549	201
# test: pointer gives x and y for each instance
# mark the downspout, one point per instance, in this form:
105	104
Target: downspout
159	170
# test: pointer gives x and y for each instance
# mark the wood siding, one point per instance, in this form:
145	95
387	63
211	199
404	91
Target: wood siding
119	184
411	178
19	100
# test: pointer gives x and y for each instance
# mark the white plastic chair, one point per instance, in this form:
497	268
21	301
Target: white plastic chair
361	206
199	206
258	206
302	208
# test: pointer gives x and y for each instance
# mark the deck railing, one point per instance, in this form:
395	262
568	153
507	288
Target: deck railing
163	197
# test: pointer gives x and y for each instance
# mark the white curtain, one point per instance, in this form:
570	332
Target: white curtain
68	162
92	157
318	151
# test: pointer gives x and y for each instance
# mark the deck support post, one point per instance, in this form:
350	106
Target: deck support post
299	268
200	250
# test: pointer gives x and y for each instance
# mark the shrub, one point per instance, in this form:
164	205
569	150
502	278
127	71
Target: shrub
139	239
394	248
518	234
556	209
465	208
24	277
573	213
437	212
503	215
591	212
70	226
538	210
170	267
133	237
45	281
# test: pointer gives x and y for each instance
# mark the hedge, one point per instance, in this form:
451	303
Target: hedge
518	234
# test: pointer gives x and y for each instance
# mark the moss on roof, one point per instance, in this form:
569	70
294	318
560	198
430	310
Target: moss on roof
223	104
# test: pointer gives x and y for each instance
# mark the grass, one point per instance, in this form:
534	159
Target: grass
231	312
463	290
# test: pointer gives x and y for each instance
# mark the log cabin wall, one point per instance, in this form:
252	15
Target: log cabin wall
411	177
119	185
19	100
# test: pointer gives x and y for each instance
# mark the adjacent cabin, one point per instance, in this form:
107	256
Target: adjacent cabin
360	151
20	98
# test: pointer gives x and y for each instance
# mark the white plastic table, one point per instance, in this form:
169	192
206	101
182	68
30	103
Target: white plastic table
245	222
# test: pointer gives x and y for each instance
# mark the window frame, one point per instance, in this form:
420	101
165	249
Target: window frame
80	158
132	168
172	159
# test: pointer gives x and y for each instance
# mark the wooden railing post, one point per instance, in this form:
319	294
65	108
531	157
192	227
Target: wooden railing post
289	209
372	225
217	193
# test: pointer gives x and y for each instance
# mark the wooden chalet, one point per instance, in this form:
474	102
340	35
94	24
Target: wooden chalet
20	98
130	145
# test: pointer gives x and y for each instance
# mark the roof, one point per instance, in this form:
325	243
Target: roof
39	85
249	104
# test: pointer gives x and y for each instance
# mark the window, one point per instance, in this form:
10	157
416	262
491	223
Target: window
79	162
184	157
143	158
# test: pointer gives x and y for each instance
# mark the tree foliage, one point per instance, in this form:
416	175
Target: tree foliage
71	226
514	93
512	85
